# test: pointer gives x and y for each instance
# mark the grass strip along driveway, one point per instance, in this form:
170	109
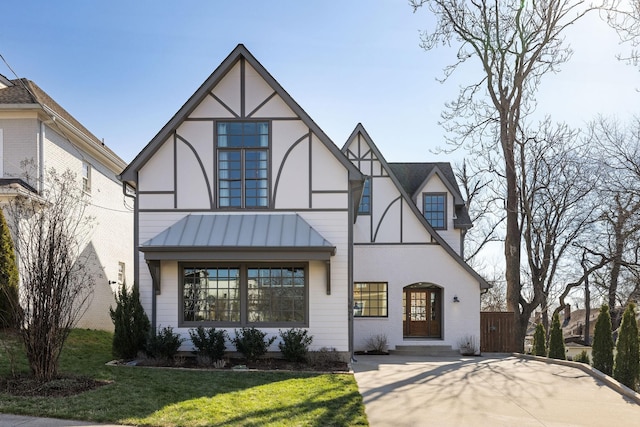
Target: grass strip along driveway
172	397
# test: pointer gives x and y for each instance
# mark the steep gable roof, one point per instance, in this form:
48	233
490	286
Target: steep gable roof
413	176
240	52
23	93
359	129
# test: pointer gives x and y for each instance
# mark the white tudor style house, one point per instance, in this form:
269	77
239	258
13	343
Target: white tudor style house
247	214
37	130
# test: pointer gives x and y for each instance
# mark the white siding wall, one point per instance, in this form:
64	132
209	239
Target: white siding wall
111	240
20	144
401	266
327	313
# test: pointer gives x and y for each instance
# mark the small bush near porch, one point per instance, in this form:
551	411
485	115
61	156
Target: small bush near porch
169	397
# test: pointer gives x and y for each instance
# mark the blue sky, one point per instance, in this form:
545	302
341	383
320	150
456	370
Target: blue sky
123	68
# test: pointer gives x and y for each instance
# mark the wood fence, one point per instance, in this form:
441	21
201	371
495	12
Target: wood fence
497	332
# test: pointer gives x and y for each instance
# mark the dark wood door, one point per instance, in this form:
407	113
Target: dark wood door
422	313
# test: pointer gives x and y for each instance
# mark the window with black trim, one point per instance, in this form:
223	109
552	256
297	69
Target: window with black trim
243	164
241	294
435	209
370	299
365	200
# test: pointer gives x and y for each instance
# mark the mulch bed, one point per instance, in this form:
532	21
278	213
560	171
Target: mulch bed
27	386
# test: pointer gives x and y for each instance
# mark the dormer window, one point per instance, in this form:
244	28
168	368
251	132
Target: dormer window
243	164
435	209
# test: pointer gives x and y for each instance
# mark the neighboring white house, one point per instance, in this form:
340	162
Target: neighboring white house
247	214
36	135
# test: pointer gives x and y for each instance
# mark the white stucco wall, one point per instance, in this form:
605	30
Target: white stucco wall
403	265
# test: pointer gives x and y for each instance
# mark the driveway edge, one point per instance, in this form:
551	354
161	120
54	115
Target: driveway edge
610	382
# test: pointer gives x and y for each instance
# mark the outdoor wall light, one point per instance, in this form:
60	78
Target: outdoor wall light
455	299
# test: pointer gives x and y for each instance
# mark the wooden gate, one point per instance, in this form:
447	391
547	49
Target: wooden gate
497	332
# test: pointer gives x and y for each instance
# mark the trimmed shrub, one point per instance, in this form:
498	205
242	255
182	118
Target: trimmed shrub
602	346
163	344
251	343
295	344
9	306
540	341
627	362
208	342
131	324
582	357
556	342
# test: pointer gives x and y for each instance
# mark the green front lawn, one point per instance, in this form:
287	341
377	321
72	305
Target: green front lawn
171	397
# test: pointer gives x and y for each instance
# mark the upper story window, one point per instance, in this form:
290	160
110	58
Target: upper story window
86	177
121	276
243	164
365	201
435	209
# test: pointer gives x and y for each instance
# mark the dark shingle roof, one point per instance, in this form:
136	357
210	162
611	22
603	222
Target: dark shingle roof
24	91
412	176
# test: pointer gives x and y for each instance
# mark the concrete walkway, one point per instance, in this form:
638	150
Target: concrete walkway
7	420
486	391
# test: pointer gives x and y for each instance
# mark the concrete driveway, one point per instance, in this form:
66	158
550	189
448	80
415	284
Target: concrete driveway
486	391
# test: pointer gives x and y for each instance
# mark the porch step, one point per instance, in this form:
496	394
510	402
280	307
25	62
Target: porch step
425	350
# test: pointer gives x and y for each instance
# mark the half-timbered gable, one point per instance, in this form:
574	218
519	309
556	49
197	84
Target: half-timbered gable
233	195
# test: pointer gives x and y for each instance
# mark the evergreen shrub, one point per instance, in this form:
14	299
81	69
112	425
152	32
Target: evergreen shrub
252	343
627	361
602	345
163	344
8	277
131	324
556	341
208	342
295	344
540	341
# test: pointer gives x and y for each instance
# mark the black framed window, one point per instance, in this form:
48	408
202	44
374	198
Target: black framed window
244	294
435	209
243	164
365	200
370	299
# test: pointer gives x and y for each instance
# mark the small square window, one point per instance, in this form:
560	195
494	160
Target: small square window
370	299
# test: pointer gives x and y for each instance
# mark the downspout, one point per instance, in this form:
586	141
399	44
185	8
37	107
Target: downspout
350	271
40	155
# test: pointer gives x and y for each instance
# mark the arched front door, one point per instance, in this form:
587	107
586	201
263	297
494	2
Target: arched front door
422	311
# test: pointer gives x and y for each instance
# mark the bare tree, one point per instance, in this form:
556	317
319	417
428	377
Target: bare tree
516	44
618	226
51	232
555	185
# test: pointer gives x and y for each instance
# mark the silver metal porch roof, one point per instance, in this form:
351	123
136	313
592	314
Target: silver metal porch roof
238	237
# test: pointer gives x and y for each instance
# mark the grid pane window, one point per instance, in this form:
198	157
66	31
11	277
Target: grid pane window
245	294
365	201
370	299
243	164
435	210
211	294
276	294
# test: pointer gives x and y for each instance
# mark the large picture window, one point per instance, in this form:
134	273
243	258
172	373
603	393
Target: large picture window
370	299
243	164
435	210
244	294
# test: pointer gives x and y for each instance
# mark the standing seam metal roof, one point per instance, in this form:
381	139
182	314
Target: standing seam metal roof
246	231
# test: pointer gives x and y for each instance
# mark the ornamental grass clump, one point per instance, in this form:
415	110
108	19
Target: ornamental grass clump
295	344
252	343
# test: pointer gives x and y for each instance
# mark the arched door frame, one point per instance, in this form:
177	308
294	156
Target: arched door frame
422	310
